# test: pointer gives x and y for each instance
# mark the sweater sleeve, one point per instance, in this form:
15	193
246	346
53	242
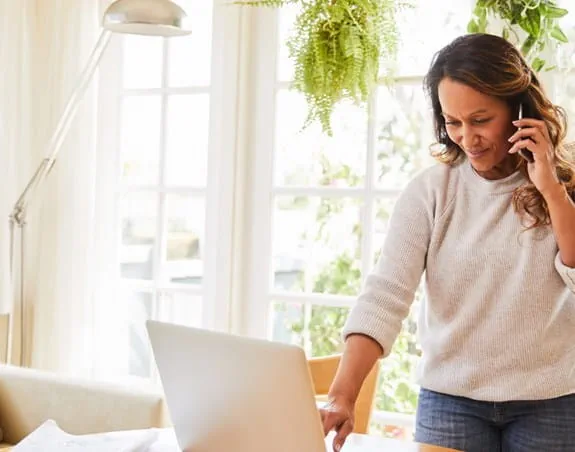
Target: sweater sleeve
566	273
389	289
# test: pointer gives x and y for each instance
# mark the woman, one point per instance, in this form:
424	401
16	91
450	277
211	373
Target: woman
494	235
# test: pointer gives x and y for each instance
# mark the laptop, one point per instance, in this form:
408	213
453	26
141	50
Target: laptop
232	393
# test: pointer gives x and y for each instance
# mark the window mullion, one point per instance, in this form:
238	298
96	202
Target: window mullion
256	302
368	209
161	225
171	189
306	333
167	90
107	214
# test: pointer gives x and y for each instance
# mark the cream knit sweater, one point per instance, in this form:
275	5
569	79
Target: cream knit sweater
498	321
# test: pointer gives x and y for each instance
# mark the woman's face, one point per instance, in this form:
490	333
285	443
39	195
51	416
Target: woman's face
479	124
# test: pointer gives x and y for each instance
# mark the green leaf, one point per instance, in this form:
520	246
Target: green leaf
505	33
528	45
537	64
480	12
472	27
558	34
482	24
532	22
553	12
402	391
515	14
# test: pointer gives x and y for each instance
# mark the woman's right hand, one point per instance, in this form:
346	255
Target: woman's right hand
337	415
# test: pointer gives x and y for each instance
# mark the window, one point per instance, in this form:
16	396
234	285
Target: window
228	215
327	201
160	103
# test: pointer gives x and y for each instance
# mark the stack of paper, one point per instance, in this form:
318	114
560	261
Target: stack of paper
51	438
166	442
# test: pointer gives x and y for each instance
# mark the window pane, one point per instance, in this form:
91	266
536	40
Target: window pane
397	390
310	157
316	245
139	218
187	139
140	139
425	29
140	306
565	97
315	328
174	307
181	308
286	319
325	325
403	135
564	79
142	61
190	56
186	216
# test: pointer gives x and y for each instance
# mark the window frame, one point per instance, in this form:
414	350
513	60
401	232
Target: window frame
218	194
263	190
238	291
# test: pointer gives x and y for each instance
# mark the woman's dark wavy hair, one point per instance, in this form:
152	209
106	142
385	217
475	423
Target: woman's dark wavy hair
493	66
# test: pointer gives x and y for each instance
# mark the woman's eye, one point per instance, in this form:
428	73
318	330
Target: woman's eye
474	121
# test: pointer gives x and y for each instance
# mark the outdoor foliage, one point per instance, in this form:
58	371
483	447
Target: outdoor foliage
400	145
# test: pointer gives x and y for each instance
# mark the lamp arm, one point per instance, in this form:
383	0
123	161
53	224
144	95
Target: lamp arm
18	214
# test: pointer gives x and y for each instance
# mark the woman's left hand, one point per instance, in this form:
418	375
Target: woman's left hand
534	136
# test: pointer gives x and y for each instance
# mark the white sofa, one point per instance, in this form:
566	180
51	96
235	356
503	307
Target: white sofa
30	397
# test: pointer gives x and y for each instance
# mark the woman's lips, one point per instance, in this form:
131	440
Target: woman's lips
477	154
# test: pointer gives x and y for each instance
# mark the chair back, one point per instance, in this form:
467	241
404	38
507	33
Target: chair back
323	371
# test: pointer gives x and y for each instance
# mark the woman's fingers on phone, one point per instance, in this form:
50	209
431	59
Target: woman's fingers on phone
529	133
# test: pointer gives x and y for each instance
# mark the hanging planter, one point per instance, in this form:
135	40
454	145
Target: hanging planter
535	20
336	47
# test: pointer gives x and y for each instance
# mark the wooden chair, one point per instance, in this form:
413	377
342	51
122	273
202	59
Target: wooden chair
322	373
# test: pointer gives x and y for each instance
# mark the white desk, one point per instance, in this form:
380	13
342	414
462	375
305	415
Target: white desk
355	443
365	443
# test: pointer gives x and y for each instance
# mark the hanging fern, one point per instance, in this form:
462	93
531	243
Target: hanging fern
336	47
537	18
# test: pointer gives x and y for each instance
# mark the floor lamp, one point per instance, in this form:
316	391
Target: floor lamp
142	17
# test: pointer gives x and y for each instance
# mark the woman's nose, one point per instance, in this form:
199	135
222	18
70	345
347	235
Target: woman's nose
469	138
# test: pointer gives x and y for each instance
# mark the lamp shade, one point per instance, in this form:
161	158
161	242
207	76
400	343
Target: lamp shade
146	17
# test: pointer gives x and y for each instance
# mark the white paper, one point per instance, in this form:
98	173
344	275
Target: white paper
51	438
166	442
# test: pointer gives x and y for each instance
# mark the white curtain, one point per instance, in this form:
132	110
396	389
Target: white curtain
57	37
15	123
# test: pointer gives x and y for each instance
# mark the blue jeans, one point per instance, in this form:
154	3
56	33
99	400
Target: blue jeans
474	426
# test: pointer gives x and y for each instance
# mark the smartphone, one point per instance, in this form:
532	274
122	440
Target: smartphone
525	153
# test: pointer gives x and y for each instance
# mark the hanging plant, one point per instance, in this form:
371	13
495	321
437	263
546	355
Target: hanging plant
537	20
336	47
